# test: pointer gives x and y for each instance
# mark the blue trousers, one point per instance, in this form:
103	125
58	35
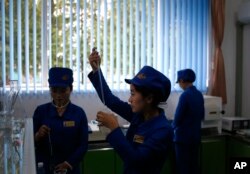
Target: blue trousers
187	158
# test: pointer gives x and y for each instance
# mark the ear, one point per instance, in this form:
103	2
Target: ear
71	88
149	99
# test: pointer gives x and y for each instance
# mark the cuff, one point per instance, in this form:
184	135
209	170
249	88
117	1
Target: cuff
114	136
69	166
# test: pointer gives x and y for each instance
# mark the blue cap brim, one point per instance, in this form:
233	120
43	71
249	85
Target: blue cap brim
133	81
129	81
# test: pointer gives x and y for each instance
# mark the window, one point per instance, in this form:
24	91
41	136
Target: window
168	35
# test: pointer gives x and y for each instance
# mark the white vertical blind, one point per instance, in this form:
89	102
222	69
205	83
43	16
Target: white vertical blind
105	38
64	35
118	44
56	35
199	40
183	33
49	33
178	27
11	26
189	34
78	45
124	42
155	29
137	36
112	45
186	43
168	35
143	33
159	34
92	25
149	33
70	36
99	25
34	49
205	50
3	44
166	38
44	63
131	41
19	43
85	46
27	46
172	46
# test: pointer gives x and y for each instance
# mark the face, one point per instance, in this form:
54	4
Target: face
181	84
184	85
60	95
137	101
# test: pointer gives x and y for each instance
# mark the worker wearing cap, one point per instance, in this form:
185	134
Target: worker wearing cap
187	124
60	127
145	146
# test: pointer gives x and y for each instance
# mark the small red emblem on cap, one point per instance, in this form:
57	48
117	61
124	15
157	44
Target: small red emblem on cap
141	76
65	77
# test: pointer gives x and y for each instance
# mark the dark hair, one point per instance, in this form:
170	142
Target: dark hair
187	81
71	87
147	92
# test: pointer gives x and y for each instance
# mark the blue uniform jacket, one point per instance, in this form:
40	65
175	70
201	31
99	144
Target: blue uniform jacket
146	145
188	116
69	136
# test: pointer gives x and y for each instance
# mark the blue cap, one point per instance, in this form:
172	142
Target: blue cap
152	79
187	75
60	77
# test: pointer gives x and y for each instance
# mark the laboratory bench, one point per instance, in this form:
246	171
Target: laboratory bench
215	153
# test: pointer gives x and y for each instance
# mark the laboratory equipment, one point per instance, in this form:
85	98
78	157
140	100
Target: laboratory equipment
232	124
213	108
11	131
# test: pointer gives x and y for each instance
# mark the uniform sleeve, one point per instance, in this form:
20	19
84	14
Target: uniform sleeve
37	120
114	103
141	154
180	111
80	151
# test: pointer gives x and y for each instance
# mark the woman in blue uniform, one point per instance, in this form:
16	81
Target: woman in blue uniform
149	136
187	124
60	127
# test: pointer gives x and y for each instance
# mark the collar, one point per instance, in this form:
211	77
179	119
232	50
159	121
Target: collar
54	111
156	120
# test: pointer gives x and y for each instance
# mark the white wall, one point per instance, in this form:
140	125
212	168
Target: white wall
90	102
229	52
246	71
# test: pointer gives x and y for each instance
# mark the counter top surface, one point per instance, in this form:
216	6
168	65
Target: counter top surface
94	145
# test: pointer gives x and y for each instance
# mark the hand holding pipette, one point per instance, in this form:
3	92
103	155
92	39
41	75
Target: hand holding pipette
109	120
94	59
42	132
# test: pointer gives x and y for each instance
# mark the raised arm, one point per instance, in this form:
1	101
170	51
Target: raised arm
111	101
